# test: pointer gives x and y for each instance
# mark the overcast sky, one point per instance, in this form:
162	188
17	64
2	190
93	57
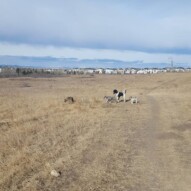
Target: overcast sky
147	30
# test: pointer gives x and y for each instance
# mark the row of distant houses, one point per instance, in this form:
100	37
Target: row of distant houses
28	71
119	71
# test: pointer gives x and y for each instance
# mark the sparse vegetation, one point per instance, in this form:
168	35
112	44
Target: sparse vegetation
92	144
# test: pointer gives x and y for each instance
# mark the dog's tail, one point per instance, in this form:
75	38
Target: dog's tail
124	95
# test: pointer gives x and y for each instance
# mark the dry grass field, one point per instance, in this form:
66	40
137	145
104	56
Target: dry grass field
95	145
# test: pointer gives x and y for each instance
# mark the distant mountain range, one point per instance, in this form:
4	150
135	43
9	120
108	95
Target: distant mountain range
52	62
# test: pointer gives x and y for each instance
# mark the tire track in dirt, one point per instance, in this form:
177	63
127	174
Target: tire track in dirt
144	161
152	156
162	161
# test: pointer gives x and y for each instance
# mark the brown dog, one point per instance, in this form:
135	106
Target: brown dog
69	100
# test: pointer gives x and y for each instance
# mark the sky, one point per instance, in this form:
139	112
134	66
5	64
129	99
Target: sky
151	31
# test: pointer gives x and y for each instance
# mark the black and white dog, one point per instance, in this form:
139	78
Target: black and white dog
120	94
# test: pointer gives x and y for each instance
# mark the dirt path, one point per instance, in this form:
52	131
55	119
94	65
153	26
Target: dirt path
151	161
161	158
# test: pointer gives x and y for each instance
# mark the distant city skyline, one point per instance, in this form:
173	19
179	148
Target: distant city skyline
141	30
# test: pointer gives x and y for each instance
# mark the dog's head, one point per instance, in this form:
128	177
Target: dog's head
115	91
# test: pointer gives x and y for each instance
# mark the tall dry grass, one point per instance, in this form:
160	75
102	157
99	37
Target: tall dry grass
95	145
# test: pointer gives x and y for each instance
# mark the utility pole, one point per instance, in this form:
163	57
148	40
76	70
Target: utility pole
171	62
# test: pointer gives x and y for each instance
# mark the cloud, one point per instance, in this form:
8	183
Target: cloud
148	26
126	56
